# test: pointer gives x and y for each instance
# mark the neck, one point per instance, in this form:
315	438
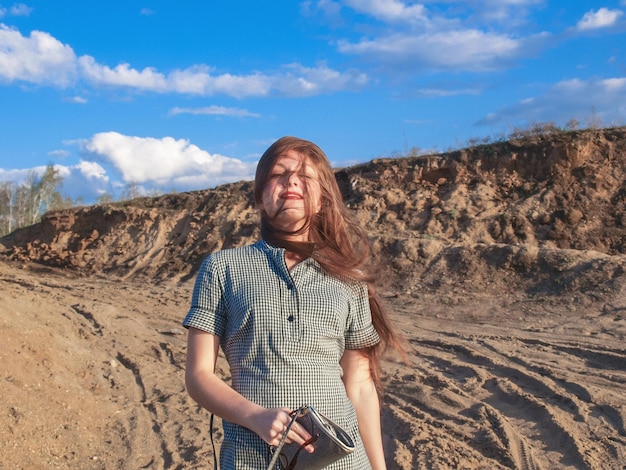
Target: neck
291	259
297	246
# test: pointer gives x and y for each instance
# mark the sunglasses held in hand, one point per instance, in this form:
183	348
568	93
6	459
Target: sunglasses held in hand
330	443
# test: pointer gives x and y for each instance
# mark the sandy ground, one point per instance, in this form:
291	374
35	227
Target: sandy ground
92	378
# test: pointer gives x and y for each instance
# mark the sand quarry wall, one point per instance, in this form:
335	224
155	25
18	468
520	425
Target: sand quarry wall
548	210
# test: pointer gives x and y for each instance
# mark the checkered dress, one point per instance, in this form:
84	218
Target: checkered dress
283	333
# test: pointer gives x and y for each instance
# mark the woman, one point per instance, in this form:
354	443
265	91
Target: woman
296	316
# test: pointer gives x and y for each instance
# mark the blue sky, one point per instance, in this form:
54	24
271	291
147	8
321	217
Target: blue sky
178	96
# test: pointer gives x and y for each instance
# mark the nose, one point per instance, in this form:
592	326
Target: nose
292	179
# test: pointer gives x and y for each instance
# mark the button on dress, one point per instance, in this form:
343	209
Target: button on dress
283	333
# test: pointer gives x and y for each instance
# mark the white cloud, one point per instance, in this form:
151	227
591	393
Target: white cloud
214	111
19	9
292	80
163	161
444	92
307	81
614	84
59	153
75	99
603	18
13	174
457	50
38	58
122	75
84	180
42	59
449	35
602	91
389	10
92	171
330	10
511	12
574	98
21	175
199	80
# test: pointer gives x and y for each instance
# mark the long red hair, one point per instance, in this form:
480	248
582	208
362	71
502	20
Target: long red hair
336	242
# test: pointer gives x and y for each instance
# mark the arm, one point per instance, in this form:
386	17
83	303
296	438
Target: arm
213	394
362	392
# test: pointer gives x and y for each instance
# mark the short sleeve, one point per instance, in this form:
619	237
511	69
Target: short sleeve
360	332
207	311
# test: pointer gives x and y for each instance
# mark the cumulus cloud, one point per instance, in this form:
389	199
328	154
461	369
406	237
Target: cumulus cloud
200	80
84	181
15	175
42	59
165	161
92	171
602	18
121	75
38	58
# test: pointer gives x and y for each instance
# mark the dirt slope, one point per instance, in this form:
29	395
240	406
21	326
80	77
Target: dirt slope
515	206
503	264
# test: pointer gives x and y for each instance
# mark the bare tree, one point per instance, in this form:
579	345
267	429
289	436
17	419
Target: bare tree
24	204
131	191
43	191
104	198
7	192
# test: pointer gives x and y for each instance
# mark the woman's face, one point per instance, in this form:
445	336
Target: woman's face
291	189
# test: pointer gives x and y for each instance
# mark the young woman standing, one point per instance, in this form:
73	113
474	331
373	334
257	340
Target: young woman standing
296	316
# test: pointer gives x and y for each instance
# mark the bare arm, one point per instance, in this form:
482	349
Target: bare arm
362	392
213	394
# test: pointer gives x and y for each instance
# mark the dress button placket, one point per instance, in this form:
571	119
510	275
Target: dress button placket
292	311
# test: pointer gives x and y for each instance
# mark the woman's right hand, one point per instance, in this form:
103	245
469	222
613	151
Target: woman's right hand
271	423
213	394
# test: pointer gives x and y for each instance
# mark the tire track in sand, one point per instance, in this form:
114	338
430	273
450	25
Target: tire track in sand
515	401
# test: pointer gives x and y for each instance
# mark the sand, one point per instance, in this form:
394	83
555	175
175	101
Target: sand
92	378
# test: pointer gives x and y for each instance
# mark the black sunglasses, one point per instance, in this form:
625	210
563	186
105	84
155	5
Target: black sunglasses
283	460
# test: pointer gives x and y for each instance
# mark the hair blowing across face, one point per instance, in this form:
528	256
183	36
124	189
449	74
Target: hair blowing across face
336	242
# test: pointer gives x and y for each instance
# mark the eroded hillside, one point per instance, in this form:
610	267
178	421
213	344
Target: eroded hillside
542	213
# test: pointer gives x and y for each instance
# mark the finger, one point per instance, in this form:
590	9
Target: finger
301	432
302	437
278	426
275	436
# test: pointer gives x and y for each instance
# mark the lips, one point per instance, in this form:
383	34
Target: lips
290	195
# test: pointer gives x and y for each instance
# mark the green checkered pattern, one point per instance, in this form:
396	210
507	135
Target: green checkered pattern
283	333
